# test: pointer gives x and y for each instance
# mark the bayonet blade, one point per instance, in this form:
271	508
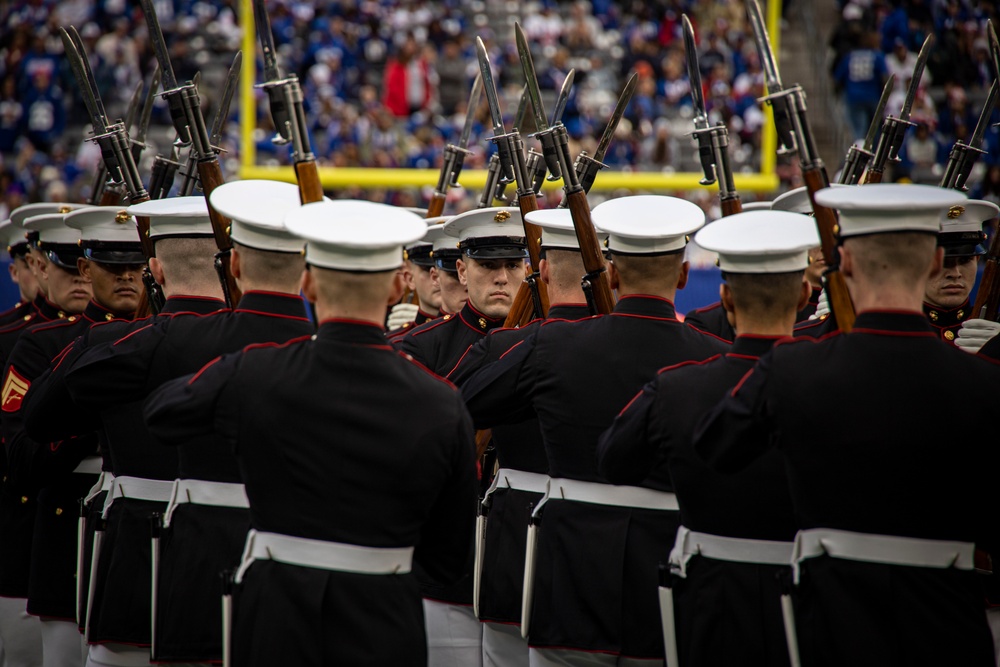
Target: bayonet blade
985	116
994	48
522	108
232	80
616	116
80	74
694	76
524	54
879	113
918	73
563	99
767	60
470	110
159	45
263	22
133	107
147	107
82	50
489	87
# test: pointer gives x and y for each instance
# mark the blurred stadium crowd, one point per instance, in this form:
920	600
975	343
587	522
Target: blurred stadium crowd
876	38
386	81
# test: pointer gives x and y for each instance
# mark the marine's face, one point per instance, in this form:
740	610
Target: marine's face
36	264
115	286
428	291
21	274
453	293
950	287
492	283
67	289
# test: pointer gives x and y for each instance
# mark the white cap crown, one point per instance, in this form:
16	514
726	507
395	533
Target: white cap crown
647	224
761	241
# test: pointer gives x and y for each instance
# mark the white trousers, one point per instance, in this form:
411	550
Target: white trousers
503	646
993	619
62	644
550	657
20	633
454	635
121	655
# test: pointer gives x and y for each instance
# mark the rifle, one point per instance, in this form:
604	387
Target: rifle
185	113
987	305
531	296
287	112
963	156
454	154
893	128
117	157
858	157
555	150
713	141
792	102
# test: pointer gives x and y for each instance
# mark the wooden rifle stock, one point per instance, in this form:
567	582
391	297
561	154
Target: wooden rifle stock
210	174
827	224
310	188
731	206
987	303
112	196
523	309
436	206
590	249
871	176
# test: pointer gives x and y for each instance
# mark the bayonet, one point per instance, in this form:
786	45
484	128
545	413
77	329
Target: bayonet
454	155
499	131
964	155
782	120
133	106
138	138
549	150
587	167
159	46
694	76
76	63
263	22
563	99
859	156
918	73
91	79
522	109
222	114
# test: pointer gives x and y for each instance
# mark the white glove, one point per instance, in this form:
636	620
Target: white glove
975	333
402	313
822	306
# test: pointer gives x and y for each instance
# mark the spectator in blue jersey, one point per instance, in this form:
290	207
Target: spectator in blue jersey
861	76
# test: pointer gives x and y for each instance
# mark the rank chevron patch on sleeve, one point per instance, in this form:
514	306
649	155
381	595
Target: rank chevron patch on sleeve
14	389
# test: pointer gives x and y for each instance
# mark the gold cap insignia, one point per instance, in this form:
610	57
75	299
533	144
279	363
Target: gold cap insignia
122	217
501	216
955	211
406	255
65	209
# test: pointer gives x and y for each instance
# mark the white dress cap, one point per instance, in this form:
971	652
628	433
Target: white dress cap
350	235
968	216
258	209
889	207
647	224
11	235
51	228
22	213
761	241
797	200
420	251
557	228
489	233
111	224
176	216
756	206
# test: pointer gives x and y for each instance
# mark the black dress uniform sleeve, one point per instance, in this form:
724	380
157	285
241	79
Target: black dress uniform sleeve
30	460
447	535
49	396
185	408
627	450
741	428
111	374
499	393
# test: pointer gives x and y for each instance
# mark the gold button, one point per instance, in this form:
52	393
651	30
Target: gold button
950	335
27	317
108	317
961	314
24	499
447	317
933	315
59	511
61	315
836	229
72	318
482	323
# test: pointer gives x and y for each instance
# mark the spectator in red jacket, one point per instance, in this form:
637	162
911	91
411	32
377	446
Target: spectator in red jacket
409	81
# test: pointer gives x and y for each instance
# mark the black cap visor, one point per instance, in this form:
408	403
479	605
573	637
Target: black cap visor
495	247
962	244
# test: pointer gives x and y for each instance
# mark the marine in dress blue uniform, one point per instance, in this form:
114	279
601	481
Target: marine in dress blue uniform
595	570
883	562
342	500
736	538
